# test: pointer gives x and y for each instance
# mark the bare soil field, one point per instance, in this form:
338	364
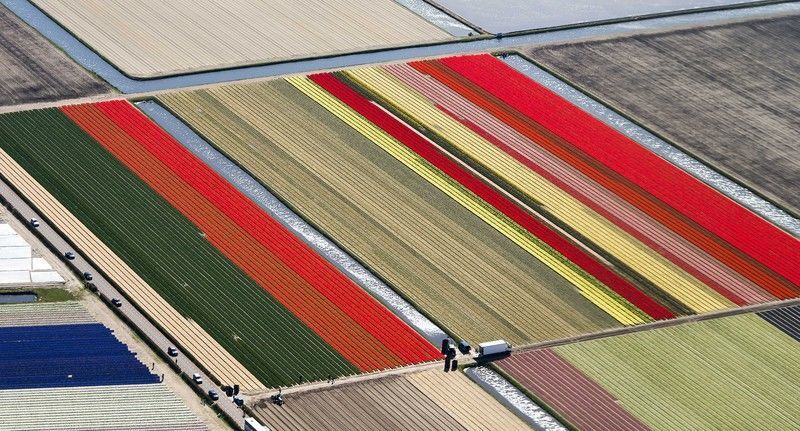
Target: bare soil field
33	70
149	38
420	401
728	94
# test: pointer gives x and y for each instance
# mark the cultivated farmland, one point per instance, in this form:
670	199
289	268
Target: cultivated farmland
56	357
421	401
631	248
699	212
148	38
345	316
110	408
734	373
402	143
34	70
186	331
602	187
736	108
525	141
543	194
217	270
787	319
54	313
469	276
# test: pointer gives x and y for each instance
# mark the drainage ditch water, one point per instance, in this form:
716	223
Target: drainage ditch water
93	62
496	16
514	399
437	17
18	297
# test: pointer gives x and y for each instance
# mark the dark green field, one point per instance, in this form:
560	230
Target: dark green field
167	250
729	94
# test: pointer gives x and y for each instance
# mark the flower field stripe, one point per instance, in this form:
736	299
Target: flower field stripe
181	196
188	332
257	265
681	252
247	256
474	408
474	194
104	130
193	338
341	291
610	180
255	191
323	317
298	256
658	237
699	274
446	260
557	202
776	249
567	390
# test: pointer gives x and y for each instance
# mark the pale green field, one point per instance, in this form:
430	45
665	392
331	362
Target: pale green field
735	373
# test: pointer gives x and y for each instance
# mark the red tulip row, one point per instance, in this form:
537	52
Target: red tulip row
719	226
339	311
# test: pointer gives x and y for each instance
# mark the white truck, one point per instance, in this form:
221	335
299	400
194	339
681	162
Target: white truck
491	348
251	424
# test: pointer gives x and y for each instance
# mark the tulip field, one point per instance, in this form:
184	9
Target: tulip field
493	205
611	198
736	110
389	214
762	251
458	259
487	147
284	313
594	182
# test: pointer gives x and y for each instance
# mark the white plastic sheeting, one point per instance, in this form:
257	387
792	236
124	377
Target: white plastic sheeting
19	252
17	263
501	16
